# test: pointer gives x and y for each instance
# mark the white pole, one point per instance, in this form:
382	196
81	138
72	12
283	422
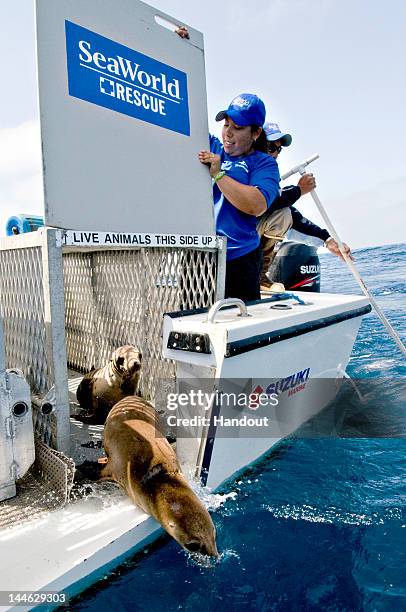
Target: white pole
301	169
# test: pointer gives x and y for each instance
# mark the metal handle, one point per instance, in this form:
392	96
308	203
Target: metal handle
227	302
300	167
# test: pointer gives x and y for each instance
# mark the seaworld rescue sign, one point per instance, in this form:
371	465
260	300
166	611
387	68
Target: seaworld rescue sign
106	73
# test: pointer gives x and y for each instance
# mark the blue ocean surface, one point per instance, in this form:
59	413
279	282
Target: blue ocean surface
320	522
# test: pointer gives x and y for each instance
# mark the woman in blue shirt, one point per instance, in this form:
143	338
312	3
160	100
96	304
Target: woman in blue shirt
246	182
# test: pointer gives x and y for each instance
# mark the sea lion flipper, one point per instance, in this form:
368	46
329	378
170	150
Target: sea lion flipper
106	474
84	391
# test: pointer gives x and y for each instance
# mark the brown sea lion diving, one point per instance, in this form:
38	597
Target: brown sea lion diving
144	464
100	389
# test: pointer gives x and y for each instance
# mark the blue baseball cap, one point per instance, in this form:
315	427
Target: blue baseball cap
273	132
245	109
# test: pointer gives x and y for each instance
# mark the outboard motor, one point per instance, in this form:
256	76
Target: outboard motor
22	224
297	266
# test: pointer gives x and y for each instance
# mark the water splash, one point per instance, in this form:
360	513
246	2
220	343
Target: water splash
212	501
332	515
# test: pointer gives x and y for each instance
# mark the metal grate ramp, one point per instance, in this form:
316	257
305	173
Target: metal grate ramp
44	488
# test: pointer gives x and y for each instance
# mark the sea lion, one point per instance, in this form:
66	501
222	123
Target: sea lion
144	464
100	389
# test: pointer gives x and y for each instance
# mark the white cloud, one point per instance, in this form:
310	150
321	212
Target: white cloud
21	190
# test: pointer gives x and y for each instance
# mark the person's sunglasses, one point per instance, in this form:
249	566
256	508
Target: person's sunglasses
272	148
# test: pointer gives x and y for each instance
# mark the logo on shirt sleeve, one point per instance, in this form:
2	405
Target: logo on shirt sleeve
243	165
226	165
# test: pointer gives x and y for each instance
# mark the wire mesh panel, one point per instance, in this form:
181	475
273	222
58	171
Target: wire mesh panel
79	310
32	307
115	297
22	309
93	301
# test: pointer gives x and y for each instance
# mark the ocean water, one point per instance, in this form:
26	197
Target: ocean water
320	522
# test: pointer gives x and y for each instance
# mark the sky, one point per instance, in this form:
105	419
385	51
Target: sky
330	72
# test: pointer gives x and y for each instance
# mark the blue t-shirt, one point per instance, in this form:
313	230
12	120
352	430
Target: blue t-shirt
257	169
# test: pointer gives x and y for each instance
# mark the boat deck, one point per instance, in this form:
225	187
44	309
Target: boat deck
44	544
58	548
86	440
37	496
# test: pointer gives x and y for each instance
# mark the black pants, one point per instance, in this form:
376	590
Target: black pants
242	276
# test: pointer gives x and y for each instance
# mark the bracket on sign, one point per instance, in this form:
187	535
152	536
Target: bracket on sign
165	23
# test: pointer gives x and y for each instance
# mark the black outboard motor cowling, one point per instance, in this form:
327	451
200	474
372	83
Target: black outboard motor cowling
297	266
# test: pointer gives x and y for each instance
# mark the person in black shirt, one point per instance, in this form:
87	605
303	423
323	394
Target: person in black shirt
282	216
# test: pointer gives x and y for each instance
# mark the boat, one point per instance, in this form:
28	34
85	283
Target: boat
301	351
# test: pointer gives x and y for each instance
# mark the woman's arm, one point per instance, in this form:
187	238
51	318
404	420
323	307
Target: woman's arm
246	198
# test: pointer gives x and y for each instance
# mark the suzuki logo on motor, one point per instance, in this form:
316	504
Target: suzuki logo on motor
309	269
116	77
